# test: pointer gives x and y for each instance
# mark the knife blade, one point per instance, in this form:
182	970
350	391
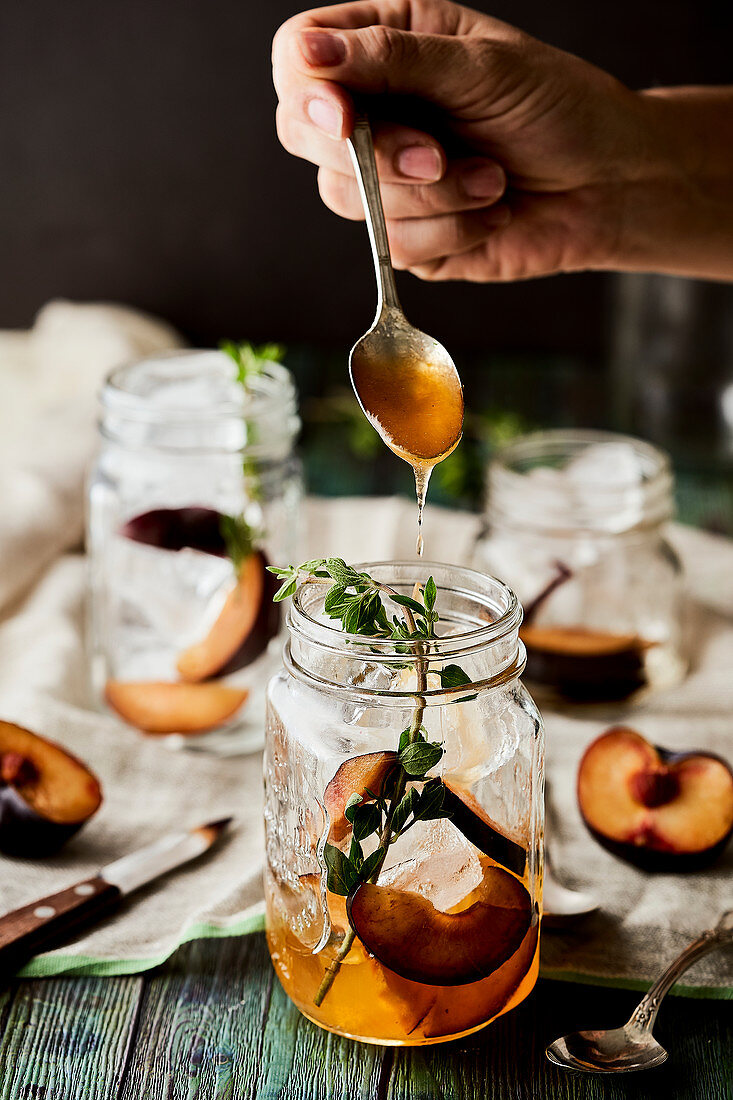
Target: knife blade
47	921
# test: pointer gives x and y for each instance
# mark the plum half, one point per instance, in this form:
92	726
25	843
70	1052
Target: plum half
409	936
46	793
661	810
157	706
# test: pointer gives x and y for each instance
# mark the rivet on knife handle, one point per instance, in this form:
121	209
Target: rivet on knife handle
47	920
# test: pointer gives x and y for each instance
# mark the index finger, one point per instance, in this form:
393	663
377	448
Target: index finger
287	61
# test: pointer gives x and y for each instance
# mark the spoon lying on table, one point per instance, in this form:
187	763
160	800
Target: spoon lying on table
633	1047
560	905
406	382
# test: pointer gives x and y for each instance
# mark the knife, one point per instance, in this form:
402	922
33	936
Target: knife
45	922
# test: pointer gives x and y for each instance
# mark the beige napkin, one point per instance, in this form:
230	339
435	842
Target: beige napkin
150	790
49	378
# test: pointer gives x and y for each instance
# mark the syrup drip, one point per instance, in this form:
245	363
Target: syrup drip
422	477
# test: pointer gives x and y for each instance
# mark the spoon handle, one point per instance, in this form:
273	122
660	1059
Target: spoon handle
646	1012
361	148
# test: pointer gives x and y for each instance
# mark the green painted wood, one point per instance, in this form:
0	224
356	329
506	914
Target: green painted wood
214	1024
66	1038
507	1062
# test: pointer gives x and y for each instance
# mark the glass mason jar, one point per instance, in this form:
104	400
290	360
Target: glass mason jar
575	523
444	936
194	489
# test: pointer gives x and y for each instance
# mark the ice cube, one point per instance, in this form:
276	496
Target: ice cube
177	594
606	465
435	861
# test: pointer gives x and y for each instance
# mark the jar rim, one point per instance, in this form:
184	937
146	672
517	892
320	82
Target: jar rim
269	388
184	401
485	592
602	507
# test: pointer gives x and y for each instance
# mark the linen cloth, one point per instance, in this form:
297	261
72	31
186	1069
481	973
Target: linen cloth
150	790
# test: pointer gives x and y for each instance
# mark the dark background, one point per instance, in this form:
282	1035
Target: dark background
139	163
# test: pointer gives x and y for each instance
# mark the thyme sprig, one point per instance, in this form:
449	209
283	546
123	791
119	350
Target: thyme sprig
358	601
250	359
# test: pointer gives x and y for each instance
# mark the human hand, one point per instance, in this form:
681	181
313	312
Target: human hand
554	147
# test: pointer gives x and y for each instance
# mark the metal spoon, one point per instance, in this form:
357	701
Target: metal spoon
560	905
400	375
633	1046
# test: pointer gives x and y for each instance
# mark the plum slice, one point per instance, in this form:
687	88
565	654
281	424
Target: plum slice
160	707
660	810
460	1009
243	628
355	776
407	934
475	824
249	618
585	664
195	527
46	793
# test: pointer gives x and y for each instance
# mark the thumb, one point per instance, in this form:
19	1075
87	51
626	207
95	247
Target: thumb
451	71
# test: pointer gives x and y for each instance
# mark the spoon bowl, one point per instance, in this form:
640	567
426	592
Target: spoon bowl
633	1047
408	387
622	1050
560	905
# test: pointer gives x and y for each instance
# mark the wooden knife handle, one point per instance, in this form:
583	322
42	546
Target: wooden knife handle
47	921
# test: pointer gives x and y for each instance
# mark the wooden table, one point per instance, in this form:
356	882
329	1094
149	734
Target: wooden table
214	1024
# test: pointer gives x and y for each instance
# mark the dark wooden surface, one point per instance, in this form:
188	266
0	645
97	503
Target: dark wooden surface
214	1024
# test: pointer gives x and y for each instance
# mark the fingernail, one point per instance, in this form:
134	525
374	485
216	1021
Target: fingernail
483	181
321	48
326	116
420	162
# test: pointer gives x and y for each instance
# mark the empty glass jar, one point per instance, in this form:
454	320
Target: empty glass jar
575	522
440	935
195	488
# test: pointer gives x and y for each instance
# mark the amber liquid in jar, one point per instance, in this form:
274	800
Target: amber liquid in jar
417	408
372	1003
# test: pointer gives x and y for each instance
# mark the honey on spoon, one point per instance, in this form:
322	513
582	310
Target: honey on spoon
406	382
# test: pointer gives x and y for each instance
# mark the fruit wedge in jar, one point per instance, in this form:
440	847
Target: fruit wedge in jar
444	941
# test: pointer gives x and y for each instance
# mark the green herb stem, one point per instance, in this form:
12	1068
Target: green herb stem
385	838
361	611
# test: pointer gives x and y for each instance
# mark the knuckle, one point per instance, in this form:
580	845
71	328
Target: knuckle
425	197
457	233
385	45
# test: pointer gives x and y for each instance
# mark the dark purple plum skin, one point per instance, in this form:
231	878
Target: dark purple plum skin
489	841
23	832
197	528
603	678
654	859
